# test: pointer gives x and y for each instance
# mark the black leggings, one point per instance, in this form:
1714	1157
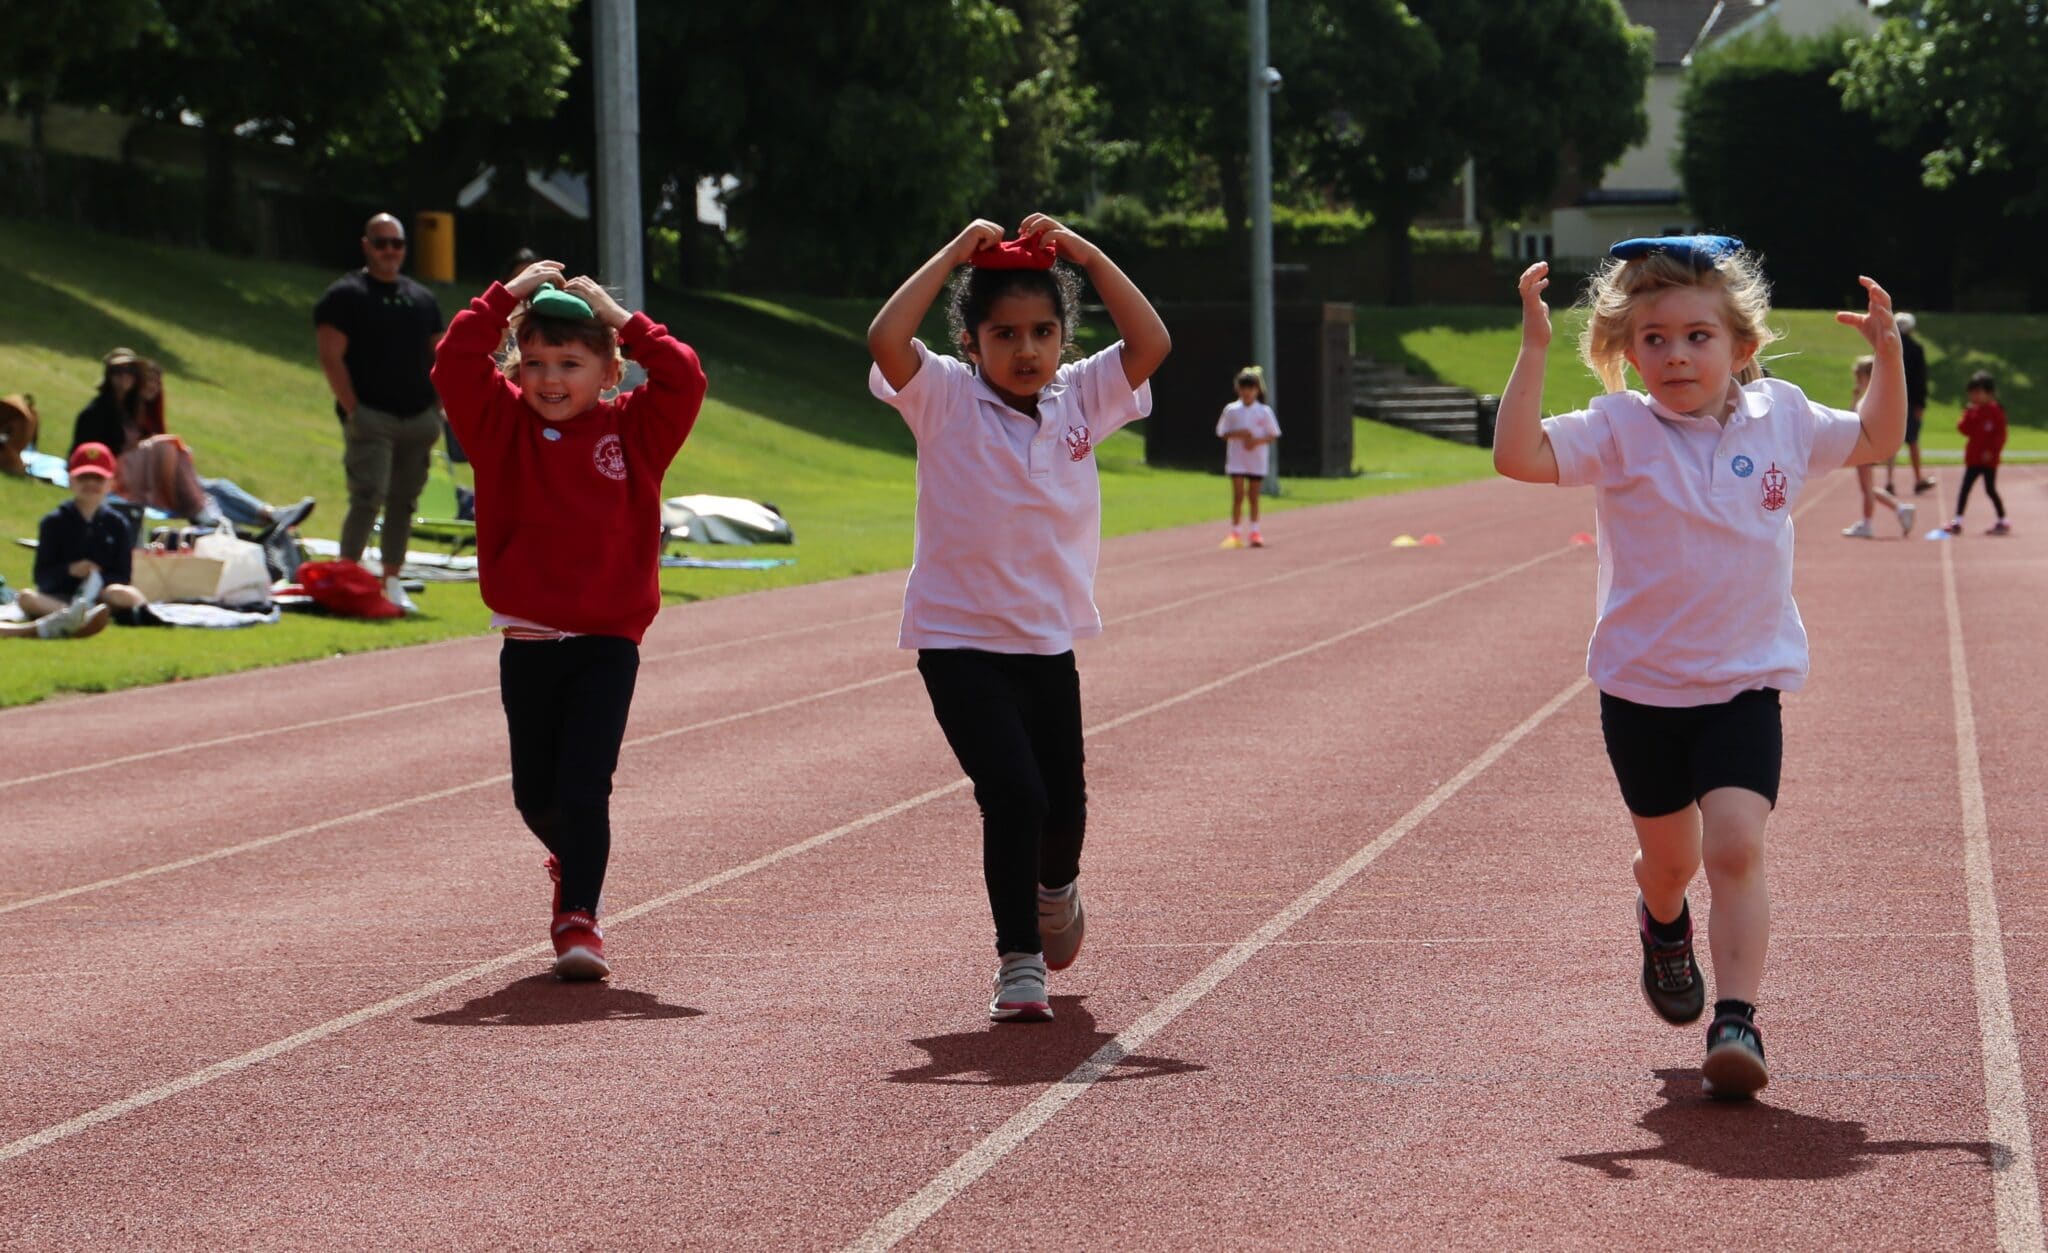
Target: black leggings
1014	721
565	706
1990	476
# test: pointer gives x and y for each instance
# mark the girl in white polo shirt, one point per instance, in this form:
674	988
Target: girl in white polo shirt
1248	429
1009	521
1694	484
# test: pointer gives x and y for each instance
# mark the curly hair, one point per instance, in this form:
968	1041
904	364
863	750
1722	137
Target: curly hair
1615	288
525	325
975	290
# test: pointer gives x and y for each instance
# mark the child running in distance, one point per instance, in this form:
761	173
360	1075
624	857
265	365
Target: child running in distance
1983	427
1694	484
1009	522
1248	429
1866	476
568	522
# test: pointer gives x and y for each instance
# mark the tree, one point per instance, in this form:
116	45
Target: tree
1975	69
42	48
1042	104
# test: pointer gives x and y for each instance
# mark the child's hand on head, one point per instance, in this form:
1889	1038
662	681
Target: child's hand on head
1535	314
1877	325
980	233
608	311
533	276
1069	245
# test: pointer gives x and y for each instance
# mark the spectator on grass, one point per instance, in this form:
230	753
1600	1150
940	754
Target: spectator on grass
83	558
229	498
377	331
1916	407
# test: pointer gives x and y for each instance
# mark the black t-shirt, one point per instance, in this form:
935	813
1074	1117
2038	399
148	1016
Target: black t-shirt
390	329
66	535
1915	359
102	422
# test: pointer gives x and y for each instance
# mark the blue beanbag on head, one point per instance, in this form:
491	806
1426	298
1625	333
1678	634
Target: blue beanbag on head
1701	250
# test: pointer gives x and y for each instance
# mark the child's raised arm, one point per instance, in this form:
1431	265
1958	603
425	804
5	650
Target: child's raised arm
1146	341
1883	407
891	333
1521	448
465	371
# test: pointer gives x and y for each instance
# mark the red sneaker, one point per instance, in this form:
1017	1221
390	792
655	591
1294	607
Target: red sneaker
554	869
579	947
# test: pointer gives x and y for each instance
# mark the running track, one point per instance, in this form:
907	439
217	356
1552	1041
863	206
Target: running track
1361	968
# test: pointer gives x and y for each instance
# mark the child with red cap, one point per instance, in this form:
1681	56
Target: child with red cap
1009	521
568	521
84	558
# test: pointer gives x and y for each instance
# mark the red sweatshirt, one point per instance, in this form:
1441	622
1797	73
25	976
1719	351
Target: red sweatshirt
1985	426
568	514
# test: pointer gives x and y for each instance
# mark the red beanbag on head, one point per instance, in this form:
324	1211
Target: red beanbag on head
1031	253
345	588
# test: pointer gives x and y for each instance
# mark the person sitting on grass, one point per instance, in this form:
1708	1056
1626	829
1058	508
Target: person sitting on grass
83	558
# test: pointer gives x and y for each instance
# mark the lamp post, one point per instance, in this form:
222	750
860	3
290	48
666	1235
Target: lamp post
1264	81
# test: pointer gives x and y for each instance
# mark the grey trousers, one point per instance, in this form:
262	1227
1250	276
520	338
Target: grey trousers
386	457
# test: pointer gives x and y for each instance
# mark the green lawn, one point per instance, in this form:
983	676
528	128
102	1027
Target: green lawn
1475	348
788	420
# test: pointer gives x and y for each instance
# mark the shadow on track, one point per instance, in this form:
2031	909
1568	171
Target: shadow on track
1756	1140
1013	1054
545	1001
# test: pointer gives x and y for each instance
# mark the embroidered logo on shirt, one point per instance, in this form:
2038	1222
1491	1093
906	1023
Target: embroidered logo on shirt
1742	466
1077	443
1774	487
610	456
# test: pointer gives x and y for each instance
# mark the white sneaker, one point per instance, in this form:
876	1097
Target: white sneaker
64	623
1020	990
1061	924
394	591
1860	531
1906	515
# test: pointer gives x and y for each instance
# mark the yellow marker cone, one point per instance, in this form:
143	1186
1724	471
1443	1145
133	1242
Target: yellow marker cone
1405	541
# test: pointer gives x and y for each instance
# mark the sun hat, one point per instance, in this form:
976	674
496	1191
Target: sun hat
92	459
552	302
1030	252
1700	250
119	357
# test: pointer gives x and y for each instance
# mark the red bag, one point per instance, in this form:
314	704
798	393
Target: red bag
343	587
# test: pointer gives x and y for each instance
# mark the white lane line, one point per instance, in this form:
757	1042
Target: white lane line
979	1160
248	846
338	719
219	1070
2015	1190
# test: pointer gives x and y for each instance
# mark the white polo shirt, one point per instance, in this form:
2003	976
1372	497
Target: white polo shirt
1695	538
1257	418
1009	510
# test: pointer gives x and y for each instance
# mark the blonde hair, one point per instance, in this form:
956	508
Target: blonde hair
1863	366
1253	376
1616	287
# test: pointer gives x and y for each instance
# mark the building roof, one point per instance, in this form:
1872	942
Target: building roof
1683	26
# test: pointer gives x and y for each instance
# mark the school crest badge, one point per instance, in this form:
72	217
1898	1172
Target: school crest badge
610	456
1774	488
1078	446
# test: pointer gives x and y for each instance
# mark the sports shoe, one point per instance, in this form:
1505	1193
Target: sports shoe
1061	924
1734	1069
2000	527
96	619
1671	975
1020	990
64	623
1256	540
1955	527
1927	484
1860	531
1906	514
1231	541
291	515
394	591
579	947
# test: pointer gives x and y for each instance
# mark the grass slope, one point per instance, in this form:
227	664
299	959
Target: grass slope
788	420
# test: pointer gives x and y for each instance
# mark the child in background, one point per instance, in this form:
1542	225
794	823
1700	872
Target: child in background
1247	428
1694	485
568	547
1009	523
1866	476
1983	425
84	558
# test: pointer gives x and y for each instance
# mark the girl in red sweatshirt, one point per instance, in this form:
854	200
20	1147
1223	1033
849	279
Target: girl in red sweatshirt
568	525
1983	427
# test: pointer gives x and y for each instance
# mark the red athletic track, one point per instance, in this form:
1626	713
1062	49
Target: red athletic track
328	1026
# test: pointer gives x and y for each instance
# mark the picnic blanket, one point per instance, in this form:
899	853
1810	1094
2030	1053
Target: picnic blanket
419	566
209	617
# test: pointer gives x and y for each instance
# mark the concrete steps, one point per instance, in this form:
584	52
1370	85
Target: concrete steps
1416	402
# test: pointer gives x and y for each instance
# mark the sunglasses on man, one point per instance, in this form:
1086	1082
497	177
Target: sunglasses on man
387	241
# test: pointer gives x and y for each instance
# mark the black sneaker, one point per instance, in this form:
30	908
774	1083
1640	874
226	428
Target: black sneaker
1734	1069
1671	976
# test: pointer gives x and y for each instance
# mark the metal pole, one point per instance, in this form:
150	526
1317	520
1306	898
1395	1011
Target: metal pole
615	65
1262	82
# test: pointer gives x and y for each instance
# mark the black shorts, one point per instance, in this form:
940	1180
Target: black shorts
1256	478
1912	430
1666	759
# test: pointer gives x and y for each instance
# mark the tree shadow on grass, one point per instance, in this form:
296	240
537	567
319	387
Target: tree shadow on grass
545	1001
65	324
1014	1054
1755	1140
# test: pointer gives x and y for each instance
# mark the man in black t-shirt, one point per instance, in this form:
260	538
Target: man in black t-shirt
1915	358
377	331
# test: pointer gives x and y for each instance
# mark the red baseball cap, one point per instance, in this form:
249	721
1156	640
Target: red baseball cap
92	459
